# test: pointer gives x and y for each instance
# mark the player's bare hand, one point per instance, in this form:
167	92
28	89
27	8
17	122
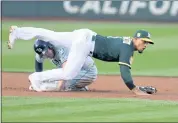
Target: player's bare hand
61	85
148	90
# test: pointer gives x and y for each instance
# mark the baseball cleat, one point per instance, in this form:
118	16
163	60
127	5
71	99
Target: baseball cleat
86	88
12	37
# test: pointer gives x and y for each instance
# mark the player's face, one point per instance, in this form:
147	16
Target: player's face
49	54
141	45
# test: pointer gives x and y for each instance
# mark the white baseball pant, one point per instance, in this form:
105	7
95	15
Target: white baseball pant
83	79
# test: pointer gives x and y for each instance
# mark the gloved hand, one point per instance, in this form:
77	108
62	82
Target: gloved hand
147	90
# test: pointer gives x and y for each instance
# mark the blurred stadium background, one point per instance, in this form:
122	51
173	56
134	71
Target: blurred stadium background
110	18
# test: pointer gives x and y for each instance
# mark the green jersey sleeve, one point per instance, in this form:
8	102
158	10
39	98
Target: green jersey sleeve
126	54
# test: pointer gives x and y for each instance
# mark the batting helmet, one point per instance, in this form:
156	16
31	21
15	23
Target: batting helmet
40	46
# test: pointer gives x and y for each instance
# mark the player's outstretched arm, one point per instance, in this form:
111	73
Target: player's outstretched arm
126	76
38	66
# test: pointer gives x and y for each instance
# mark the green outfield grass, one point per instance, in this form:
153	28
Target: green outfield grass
160	59
31	109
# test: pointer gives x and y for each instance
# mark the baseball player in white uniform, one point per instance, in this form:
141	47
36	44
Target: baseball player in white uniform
76	72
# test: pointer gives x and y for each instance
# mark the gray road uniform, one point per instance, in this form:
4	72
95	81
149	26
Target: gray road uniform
86	76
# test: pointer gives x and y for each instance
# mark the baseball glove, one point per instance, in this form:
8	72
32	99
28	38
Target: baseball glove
148	89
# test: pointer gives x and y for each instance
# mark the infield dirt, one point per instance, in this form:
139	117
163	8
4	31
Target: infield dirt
16	84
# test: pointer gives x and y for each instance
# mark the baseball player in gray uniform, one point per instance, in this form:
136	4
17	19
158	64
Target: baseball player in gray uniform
58	56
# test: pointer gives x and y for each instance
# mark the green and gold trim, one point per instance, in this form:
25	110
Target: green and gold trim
122	63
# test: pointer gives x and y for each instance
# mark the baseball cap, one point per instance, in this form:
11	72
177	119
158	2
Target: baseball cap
144	35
